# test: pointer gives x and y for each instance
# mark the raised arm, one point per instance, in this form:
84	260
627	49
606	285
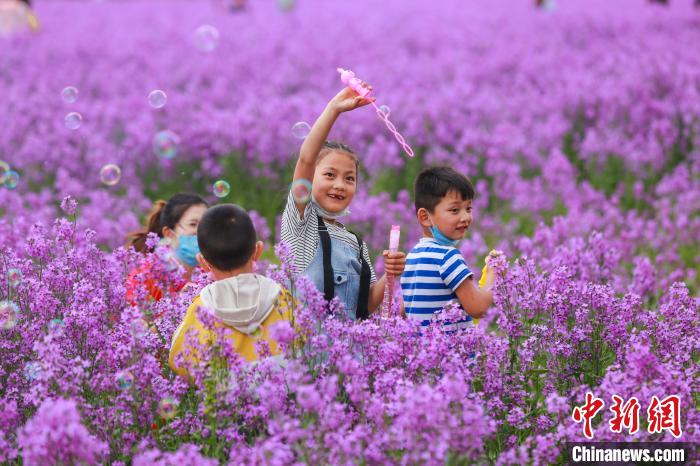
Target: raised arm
345	100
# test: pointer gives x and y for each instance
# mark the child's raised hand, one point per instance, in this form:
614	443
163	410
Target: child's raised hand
347	99
394	262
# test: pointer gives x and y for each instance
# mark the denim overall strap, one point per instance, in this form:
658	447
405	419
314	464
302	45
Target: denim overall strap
328	284
365	276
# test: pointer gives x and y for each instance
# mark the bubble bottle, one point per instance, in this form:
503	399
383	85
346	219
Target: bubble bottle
387	309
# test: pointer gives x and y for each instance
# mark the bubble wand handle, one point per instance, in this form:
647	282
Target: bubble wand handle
348	78
394	238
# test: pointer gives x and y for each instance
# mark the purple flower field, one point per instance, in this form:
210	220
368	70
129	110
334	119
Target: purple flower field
579	125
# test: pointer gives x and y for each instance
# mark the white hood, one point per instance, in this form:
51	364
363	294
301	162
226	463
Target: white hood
243	301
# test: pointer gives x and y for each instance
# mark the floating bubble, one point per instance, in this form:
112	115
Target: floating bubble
166	255
56	324
138	328
110	174
206	38
69	94
301	129
8	314
165	144
73	120
231	5
385	109
4	168
157	99
10	179
286	5
221	188
125	380
14	276
167	408
32	370
549	5
301	191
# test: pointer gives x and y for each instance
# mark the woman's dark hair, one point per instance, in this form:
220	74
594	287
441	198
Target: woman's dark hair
164	214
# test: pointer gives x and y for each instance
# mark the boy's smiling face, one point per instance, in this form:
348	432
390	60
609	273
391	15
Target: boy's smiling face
452	216
335	181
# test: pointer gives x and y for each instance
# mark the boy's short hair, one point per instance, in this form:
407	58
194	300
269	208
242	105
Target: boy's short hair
432	184
226	236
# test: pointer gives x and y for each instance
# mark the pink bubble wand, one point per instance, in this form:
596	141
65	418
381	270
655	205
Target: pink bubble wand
348	78
394	237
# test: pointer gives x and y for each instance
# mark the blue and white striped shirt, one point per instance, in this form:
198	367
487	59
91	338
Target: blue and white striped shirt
433	273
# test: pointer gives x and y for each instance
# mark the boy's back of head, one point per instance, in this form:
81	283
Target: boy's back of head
432	184
226	236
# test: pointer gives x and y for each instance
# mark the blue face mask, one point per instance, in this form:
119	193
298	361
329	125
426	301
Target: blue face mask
442	239
187	249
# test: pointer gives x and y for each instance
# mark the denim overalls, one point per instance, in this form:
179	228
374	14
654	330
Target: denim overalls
340	271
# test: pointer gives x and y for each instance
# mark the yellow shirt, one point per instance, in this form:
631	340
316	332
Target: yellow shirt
244	344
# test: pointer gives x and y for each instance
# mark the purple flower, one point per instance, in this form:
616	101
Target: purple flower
56	435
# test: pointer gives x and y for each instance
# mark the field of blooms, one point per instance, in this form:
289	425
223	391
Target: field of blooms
579	124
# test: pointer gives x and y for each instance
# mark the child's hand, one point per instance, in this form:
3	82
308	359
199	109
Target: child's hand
347	100
487	277
394	263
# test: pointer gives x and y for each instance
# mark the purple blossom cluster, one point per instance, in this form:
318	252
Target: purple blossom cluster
578	126
380	391
587	113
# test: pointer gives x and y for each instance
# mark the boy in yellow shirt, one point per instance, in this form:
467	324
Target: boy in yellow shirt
241	300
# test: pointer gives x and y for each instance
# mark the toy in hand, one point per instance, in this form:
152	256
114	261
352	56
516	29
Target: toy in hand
348	78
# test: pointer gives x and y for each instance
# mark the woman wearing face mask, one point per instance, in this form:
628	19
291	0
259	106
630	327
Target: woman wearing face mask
176	222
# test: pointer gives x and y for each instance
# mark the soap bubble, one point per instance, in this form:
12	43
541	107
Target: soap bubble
157	99
206	38
32	370
165	144
385	109
286	5
138	328
167	256
549	5
110	174
167	407
10	179
69	94
4	168
14	276
301	191
221	188
56	324
231	5
125	380
73	120
301	129
8	314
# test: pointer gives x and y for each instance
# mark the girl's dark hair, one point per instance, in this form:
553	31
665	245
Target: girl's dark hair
164	214
333	146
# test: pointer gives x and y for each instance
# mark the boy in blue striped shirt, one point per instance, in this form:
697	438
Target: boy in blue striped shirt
436	272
